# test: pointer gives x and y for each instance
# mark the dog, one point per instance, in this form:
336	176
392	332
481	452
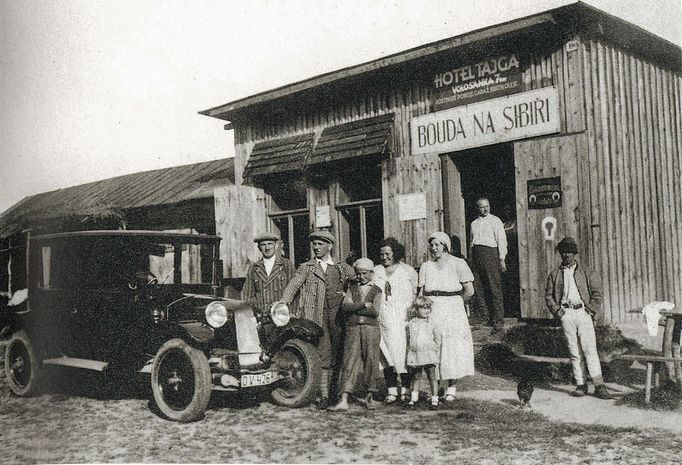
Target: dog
525	391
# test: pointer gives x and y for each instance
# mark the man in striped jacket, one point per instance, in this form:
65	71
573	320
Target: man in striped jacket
319	283
267	278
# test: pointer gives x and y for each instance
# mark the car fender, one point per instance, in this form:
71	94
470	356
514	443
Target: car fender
194	333
297	328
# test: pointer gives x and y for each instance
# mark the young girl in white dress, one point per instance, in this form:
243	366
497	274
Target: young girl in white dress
423	348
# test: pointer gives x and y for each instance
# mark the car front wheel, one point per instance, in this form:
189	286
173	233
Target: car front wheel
298	362
22	366
181	381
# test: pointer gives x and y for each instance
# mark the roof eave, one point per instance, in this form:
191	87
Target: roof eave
227	111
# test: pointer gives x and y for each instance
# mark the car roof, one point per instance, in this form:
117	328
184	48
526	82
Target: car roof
139	234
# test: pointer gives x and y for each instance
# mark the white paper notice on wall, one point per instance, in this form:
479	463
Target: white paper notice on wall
322	217
549	228
412	206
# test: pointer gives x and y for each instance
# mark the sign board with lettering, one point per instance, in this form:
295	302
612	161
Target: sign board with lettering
544	193
412	206
518	116
487	79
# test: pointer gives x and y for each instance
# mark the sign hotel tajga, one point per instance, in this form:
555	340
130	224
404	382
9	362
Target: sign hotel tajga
518	116
491	78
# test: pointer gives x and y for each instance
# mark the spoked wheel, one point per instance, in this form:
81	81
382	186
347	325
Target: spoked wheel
298	362
181	381
22	366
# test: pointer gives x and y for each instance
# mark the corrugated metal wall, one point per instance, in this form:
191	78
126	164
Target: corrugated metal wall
635	156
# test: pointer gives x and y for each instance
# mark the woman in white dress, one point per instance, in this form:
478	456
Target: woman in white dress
399	283
448	281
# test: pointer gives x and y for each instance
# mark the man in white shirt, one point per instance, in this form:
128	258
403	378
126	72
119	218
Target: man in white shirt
488	253
319	284
267	278
573	294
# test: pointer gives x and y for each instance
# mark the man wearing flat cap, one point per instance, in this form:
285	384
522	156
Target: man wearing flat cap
267	278
319	283
573	294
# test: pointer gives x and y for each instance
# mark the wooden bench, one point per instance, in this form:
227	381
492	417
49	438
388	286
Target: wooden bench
650	360
671	320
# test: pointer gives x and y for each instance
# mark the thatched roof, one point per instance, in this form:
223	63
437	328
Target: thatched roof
107	200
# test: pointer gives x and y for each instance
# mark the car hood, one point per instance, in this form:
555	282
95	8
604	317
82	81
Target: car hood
192	307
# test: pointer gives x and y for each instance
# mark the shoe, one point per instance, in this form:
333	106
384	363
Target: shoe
390	399
370	402
411	405
323	403
580	390
450	394
602	392
434	403
405	395
338	407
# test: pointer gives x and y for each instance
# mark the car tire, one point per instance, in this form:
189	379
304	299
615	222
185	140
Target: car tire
22	366
302	361
181	381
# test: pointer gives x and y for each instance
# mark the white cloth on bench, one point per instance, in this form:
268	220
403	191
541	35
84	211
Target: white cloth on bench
652	314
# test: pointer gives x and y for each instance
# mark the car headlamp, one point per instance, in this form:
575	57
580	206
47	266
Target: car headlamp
216	314
279	312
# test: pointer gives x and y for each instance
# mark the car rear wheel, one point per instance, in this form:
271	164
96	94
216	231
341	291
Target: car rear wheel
299	363
181	381
22	366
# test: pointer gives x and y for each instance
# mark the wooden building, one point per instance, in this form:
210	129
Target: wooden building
571	117
178	199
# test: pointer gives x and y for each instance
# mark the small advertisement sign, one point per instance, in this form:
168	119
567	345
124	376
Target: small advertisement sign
518	116
544	193
491	78
323	217
412	206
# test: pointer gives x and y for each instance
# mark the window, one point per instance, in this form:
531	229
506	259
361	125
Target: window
360	213
288	210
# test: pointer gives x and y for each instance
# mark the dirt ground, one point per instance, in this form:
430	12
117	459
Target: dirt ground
484	426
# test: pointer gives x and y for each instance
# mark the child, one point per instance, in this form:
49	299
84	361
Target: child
423	348
360	307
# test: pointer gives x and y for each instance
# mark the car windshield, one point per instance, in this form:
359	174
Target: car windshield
109	262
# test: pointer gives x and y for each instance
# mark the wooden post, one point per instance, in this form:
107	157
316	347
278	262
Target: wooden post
668	346
649	372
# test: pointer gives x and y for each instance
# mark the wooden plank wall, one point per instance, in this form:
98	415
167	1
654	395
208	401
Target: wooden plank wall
635	155
407	175
240	215
544	158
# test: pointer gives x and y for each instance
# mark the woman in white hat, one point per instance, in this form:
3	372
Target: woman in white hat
447	281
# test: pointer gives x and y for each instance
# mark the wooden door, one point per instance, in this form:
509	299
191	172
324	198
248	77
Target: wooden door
545	158
454	217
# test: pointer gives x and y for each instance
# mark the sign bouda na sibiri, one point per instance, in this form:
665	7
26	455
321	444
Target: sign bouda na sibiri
517	116
486	79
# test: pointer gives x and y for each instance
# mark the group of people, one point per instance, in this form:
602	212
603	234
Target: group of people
388	320
385	317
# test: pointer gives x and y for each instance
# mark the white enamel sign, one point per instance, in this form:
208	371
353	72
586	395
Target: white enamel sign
517	116
412	206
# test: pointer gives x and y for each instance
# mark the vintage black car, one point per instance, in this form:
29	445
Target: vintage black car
123	302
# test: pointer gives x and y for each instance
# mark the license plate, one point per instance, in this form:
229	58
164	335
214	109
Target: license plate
260	379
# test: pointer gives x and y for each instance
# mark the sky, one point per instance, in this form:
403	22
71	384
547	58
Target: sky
95	89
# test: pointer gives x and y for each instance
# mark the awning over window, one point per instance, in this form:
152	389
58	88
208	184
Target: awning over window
279	155
355	139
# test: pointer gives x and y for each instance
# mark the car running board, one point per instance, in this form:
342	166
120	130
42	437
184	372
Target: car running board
88	364
77	363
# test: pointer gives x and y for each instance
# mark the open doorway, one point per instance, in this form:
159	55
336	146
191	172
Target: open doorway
489	172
